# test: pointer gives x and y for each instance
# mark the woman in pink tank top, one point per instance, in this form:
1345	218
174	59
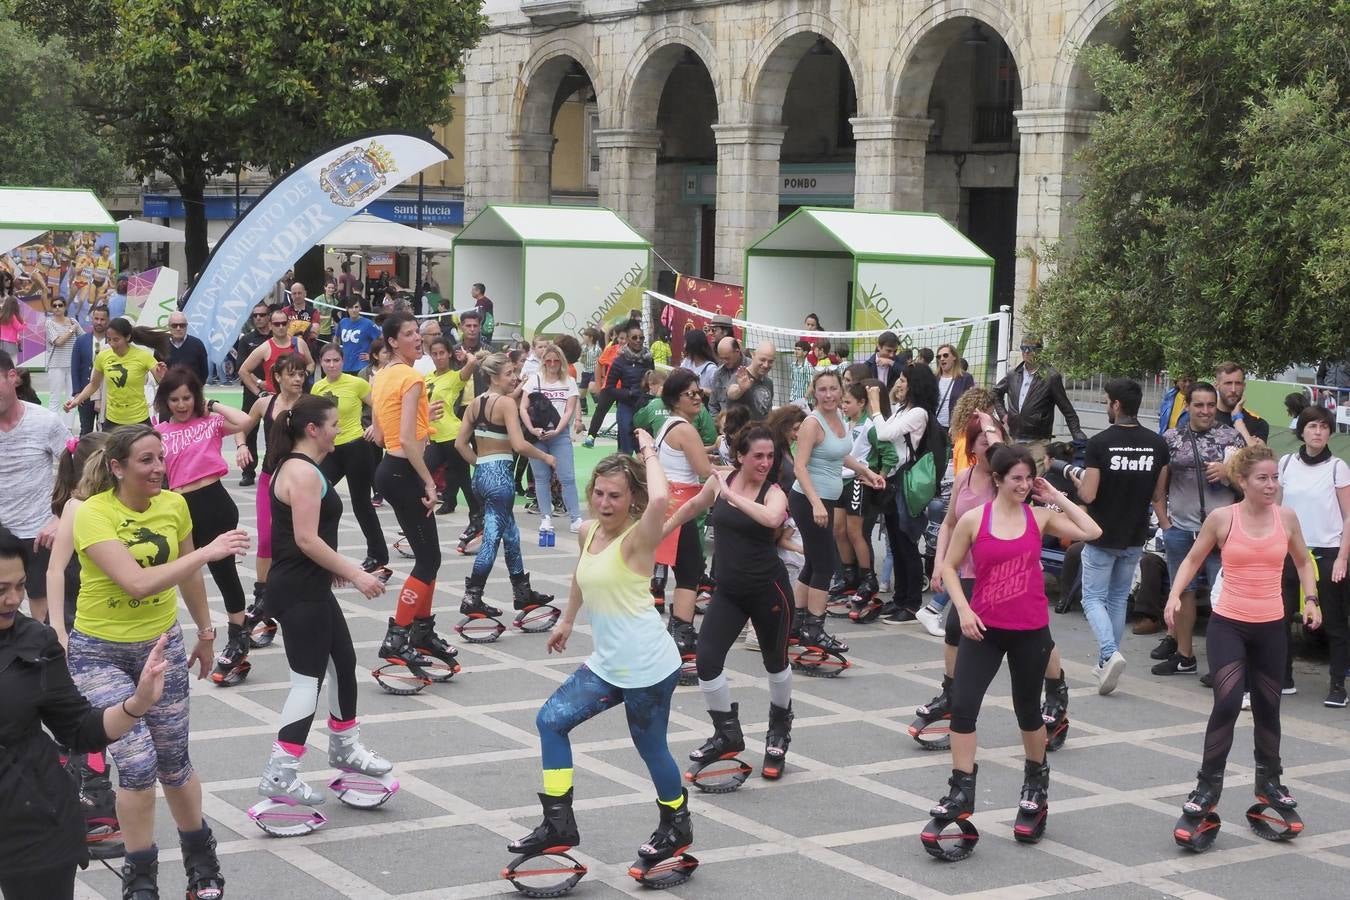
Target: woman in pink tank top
1247	636
1007	615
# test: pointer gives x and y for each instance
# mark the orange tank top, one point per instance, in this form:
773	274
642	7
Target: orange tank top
386	399
1251	572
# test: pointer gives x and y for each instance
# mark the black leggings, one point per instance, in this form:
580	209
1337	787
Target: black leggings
458	479
952	637
317	644
354	461
689	558
1244	656
57	883
214	513
400	484
603	401
978	661
769	609
818	548
1334	598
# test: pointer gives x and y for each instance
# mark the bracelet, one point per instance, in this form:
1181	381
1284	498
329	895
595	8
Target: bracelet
211	404
206	634
1312	600
130	713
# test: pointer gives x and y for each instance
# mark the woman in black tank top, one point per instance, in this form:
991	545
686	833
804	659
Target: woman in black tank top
306	512
747	511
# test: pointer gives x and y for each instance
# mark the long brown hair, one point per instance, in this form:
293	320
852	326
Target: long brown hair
70	468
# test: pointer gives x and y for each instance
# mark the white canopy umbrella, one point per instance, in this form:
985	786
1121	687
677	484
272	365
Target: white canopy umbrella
139	231
372	231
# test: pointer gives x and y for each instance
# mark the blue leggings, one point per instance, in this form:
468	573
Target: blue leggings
493	483
586	694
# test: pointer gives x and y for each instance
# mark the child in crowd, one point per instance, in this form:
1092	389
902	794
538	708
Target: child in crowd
659	345
800	369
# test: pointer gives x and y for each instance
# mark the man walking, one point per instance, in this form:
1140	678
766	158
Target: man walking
1194	484
1125	464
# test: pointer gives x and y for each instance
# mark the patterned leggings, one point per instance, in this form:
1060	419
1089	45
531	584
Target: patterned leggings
157	747
585	695
492	481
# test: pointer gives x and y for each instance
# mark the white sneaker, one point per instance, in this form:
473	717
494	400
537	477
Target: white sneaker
1109	673
1246	700
933	620
575	527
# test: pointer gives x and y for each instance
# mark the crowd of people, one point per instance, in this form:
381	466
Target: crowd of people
106	524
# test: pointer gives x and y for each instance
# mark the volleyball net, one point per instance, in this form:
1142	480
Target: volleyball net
981	342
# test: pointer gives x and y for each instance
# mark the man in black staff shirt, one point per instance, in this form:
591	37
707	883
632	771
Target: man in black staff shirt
1120	482
1231	380
255	335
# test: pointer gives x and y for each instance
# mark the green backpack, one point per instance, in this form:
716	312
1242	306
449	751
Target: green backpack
920	476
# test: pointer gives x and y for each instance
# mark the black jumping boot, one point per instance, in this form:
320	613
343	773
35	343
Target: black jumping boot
524	596
426	642
672	836
204	880
140	875
960	799
776	740
473	604
727	737
559	828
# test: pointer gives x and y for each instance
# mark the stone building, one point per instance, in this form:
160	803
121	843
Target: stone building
704	122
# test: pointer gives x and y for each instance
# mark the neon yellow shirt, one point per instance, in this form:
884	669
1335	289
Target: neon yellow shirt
104	610
660	353
348	391
124	377
447	386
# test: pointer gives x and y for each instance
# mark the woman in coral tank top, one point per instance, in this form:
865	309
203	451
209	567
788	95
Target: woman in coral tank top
1246	640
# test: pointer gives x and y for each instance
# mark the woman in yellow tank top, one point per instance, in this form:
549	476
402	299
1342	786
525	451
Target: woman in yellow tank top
634	662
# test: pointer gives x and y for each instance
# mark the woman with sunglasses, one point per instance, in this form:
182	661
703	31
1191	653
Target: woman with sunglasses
952	383
61	331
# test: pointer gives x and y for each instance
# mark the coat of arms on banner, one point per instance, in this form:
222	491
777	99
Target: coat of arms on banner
356	174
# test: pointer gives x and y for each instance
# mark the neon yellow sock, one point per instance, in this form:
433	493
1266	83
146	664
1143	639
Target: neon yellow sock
673	804
557	782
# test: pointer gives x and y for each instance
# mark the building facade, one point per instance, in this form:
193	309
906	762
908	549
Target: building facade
704	122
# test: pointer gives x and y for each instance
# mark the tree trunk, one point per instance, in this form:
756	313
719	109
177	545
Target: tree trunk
192	188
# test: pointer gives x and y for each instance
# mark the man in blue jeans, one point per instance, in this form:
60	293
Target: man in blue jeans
1121	478
1196	484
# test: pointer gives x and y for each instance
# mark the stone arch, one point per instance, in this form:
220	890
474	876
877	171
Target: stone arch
643	80
775	57
924	43
539	79
1070	87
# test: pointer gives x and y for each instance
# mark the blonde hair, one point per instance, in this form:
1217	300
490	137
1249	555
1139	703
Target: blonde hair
492	363
1243	461
632	471
98	474
70	470
975	399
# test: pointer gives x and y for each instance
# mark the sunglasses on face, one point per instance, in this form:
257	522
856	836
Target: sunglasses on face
177	324
1031	348
279	324
693	395
58	306
949	356
260	315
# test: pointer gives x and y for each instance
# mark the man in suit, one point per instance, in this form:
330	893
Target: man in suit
1026	399
886	365
184	349
87	346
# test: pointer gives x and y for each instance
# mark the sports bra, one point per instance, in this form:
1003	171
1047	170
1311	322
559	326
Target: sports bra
484	427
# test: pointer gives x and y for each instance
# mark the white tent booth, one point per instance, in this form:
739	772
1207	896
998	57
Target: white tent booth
862	270
551	269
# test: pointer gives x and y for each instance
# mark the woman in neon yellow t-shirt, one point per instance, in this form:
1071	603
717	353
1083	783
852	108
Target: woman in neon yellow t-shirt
447	466
351	456
124	367
134	543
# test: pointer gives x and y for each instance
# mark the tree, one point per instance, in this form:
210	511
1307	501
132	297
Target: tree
198	88
1217	183
48	140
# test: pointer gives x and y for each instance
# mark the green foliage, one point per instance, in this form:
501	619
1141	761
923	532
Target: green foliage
200	87
1214	219
47	140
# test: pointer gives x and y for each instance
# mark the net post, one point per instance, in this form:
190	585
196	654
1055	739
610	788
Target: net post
1004	342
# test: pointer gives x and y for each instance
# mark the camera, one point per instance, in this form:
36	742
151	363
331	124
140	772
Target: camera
1066	469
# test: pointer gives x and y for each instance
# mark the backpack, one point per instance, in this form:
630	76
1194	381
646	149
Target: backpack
543	414
919	476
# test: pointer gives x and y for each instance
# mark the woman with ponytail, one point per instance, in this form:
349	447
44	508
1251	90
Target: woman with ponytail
125	364
134	541
306	513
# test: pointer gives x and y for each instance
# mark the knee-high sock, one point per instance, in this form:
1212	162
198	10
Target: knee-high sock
414	601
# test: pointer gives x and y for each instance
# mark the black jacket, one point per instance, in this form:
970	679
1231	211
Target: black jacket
1036	421
191	356
625	377
897	369
41	821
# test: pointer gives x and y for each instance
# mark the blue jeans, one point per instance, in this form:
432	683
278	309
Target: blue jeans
625	414
1107	574
1178	542
560	447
